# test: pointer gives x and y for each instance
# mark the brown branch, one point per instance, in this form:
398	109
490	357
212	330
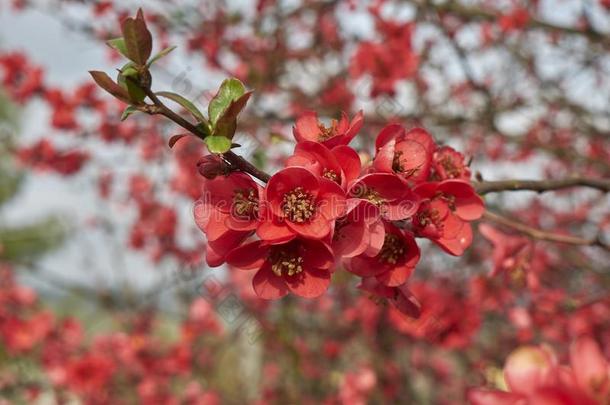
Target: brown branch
484	187
539	234
471	13
236	162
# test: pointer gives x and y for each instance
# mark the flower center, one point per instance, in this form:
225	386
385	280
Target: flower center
298	205
285	264
449	199
396	163
393	249
245	203
369	194
327	132
398	167
330	175
374	197
428	216
451	169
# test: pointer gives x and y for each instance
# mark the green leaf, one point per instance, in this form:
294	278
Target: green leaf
230	90
189	106
106	83
136	94
227	123
128	111
119	45
27	242
160	55
218	144
138	39
128	80
130	71
204	127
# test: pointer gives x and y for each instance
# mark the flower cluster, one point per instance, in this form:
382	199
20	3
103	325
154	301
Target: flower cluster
326	208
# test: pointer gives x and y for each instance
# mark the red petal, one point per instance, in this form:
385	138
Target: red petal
240	224
351	240
349	161
249	256
469	206
221	190
316	254
306	128
414	157
377	236
457	245
202	212
396	276
529	368
589	363
384	159
426	190
406	302
402	209
318	227
353	129
267	285
213	258
217	226
331	202
388	133
422	136
209	220
364	266
487	397
219	248
273	231
310	283
388	185
371	285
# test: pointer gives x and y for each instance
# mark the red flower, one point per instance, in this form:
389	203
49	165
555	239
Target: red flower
227	213
388	192
590	368
408	154
400	297
448	318
387	61
511	252
341	164
43	155
90	373
444	214
449	164
360	231
341	132
301	266
394	263
300	203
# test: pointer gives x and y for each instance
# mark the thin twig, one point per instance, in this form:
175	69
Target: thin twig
472	13
237	162
484	187
539	234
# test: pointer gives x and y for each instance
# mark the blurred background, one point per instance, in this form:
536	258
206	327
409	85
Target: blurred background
104	293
